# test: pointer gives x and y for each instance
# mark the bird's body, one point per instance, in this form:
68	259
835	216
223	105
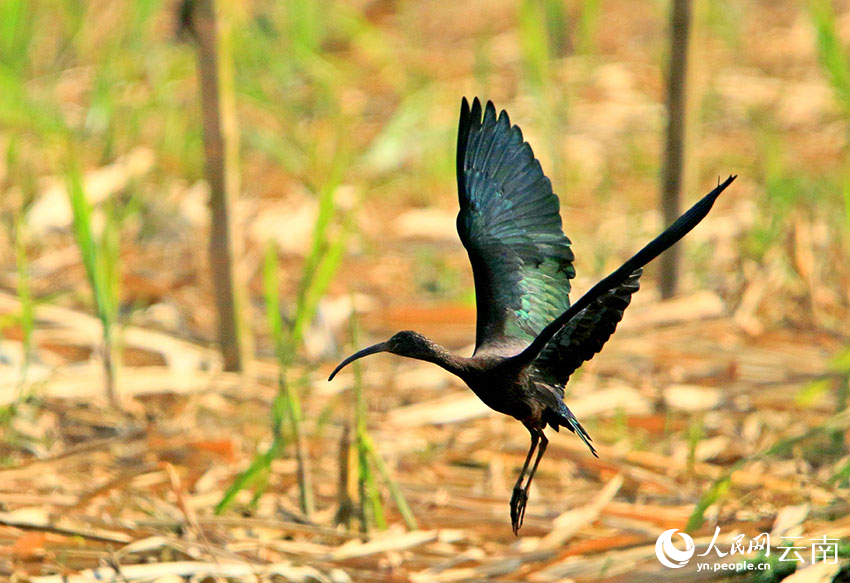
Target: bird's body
529	338
504	388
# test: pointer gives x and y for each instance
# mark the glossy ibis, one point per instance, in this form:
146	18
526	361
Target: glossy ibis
528	338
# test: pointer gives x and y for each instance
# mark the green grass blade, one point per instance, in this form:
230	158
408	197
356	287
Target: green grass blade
319	247
695	435
319	268
369	499
717	491
359	399
395	491
555	17
108	257
832	56
306	26
286	410
322	278
369	458
845	192
261	464
27	319
270	294
372	492
534	42
16	31
83	229
588	26
100	259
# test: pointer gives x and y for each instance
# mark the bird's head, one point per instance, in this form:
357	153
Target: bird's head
405	343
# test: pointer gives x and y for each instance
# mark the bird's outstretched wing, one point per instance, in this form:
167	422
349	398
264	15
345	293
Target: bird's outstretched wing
510	224
583	336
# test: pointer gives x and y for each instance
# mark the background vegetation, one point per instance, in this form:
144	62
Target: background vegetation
346	116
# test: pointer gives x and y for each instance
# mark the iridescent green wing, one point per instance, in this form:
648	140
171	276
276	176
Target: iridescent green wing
510	224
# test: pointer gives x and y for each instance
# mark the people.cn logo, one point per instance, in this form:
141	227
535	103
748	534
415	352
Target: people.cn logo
668	554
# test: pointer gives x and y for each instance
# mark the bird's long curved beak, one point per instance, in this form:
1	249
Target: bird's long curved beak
380	347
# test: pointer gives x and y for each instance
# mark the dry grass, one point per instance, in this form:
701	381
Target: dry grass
725	407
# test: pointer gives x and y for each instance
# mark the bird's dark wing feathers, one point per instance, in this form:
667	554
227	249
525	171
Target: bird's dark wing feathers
583	336
510	224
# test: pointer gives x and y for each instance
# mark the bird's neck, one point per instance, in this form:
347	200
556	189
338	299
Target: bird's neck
441	356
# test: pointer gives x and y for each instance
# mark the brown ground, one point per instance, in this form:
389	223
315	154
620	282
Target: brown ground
688	395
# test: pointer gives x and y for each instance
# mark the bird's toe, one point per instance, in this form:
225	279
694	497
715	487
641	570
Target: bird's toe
518	502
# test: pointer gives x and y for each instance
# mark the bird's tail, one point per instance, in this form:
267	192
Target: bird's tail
568	420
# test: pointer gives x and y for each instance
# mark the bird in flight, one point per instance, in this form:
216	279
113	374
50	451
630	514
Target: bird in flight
529	339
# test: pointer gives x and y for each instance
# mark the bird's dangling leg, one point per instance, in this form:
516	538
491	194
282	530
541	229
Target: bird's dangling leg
520	494
540	451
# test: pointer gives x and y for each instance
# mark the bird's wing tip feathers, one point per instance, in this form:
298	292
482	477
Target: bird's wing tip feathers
472	113
476	107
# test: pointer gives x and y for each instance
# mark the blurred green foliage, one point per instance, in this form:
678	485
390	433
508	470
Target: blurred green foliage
331	94
101	258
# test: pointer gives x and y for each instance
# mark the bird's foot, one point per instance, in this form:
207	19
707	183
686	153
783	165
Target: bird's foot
518	501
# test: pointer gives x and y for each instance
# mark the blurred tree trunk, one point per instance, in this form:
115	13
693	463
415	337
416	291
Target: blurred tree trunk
674	152
210	24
